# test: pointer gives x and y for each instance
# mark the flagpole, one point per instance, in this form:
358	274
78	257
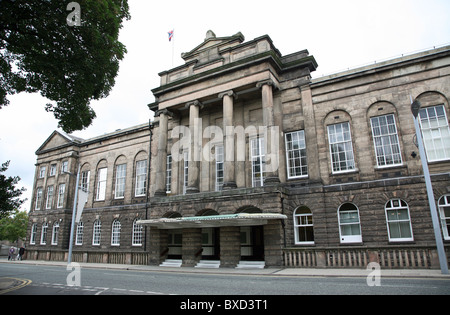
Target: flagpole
173	46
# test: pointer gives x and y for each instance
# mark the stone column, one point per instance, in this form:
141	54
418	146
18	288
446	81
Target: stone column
271	134
195	146
161	158
229	174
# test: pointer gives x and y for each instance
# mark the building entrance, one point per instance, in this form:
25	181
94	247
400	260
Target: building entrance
211	243
252	243
175	243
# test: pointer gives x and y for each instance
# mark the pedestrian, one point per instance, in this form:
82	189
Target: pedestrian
11	253
21	252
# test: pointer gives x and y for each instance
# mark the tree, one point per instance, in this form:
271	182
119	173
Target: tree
42	49
13	228
9	194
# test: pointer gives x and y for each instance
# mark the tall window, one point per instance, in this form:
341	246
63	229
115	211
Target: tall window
219	167
258	160
385	138
303	226
444	211
398	221
33	234
79	234
341	148
436	132
115	233
97	232
121	173
101	184
141	178
169	174
137	234
296	154
42	172
349	224
38	198
44	233
52	170
61	192
49	201
85	176
64	167
55	233
185	171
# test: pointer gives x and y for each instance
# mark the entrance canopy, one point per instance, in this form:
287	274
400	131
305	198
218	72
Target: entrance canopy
240	219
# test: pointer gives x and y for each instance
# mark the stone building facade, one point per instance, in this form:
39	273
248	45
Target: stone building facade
252	160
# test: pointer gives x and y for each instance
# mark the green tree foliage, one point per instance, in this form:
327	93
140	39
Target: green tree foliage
69	65
14	227
9	194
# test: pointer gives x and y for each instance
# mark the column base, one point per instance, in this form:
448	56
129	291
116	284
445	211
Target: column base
229	186
192	190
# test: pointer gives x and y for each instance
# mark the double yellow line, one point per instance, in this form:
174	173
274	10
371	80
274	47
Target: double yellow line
21	283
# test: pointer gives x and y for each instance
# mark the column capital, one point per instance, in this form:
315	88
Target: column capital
164	111
194	103
268	82
228	93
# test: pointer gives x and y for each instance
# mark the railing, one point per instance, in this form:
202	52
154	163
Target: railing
413	257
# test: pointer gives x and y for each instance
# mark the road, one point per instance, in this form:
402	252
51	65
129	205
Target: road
52	280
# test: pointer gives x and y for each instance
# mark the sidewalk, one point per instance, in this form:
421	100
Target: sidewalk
287	272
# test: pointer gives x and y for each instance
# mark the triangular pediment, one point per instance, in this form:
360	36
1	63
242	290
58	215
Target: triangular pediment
56	140
212	43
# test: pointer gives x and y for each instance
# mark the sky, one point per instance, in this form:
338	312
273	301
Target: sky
340	34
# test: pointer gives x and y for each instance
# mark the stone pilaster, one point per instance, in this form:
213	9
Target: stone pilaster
161	158
229	176
195	147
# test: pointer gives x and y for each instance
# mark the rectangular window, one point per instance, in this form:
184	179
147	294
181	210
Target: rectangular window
55	234
297	165
49	201
101	184
185	171
219	167
169	175
61	191
141	178
44	234
121	172
33	234
42	172
38	199
53	170
64	167
436	133
79	234
341	148
258	161
385	138
398	221
85	176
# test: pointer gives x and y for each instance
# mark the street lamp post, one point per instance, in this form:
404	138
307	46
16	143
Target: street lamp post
415	107
69	259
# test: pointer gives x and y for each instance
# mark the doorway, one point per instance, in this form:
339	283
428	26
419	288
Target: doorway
211	243
252	243
175	244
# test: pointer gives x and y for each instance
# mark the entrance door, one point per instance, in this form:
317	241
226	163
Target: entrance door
252	243
175	243
211	243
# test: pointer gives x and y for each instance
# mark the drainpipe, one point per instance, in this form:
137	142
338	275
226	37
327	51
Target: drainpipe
150	128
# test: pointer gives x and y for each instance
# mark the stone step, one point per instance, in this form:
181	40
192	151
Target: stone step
208	264
172	263
251	265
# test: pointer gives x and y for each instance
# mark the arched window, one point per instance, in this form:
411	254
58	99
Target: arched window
303	226
115	233
137	234
444	211
349	224
55	233
79	234
44	234
398	221
33	234
97	232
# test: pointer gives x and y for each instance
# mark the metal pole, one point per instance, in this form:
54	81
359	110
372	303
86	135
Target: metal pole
431	201
69	259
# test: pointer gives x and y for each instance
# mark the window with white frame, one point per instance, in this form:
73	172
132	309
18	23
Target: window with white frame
385	138
49	201
52	170
79	234
303	226
85	177
38	198
169	174
258	161
141	178
297	165
61	192
121	173
341	148
185	171
97	232
444	211
55	233
219	167
33	234
137	234
115	233
349	224
398	221
42	172
436	132
64	167
44	233
101	184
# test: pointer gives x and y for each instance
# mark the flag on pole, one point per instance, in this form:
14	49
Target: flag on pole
170	35
82	198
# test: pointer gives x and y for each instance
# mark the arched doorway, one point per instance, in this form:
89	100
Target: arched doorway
175	239
252	238
210	238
